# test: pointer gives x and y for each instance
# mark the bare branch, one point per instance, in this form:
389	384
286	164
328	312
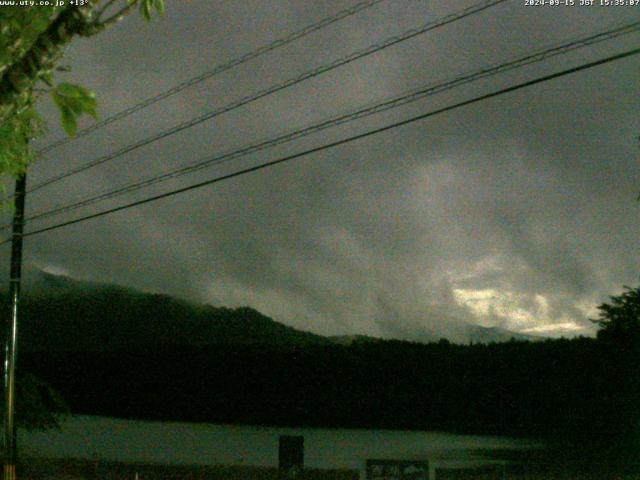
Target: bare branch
104	8
116	17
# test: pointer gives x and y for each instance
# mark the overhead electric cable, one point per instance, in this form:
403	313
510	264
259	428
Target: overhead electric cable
281	42
276	88
343	141
555	50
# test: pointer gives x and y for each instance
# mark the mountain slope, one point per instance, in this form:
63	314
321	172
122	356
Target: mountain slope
64	314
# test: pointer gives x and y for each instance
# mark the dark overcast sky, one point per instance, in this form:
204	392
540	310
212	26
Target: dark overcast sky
518	211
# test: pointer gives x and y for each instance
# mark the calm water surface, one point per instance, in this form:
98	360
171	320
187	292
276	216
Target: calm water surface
208	444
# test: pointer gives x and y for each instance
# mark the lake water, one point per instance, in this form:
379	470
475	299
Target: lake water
89	437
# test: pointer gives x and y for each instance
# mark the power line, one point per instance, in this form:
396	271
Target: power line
327	146
281	42
528	59
277	87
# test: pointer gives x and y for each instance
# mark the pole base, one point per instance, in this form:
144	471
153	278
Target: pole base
9	472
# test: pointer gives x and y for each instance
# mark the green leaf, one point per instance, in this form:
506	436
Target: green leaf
5	58
15	132
47	77
57	98
73	101
159	4
74	91
145	9
90	107
69	122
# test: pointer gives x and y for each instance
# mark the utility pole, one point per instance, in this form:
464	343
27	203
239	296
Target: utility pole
11	331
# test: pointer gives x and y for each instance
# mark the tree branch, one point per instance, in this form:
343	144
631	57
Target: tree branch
19	79
104	8
21	76
116	17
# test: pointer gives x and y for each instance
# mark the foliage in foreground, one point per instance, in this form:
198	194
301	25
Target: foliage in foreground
32	43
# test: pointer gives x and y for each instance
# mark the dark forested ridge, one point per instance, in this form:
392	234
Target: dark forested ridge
62	314
548	388
237	366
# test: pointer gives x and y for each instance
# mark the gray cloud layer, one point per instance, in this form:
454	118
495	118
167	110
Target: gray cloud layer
517	212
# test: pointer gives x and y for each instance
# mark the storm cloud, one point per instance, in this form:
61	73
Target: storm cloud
518	211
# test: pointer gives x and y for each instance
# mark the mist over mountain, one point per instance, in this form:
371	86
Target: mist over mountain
61	313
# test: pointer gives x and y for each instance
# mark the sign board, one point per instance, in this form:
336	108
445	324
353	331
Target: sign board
397	470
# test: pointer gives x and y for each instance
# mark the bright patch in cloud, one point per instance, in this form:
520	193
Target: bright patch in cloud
54	270
491	303
556	328
519	312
